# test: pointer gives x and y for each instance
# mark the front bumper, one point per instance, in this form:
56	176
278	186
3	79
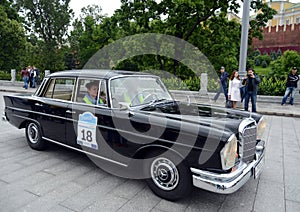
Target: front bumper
231	182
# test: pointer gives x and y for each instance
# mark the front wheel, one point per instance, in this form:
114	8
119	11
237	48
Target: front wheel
167	179
34	136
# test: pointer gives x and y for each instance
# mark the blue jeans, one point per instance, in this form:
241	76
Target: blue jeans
288	91
25	79
252	95
222	89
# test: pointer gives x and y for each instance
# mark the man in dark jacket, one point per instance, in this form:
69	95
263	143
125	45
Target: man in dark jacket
223	82
291	86
251	82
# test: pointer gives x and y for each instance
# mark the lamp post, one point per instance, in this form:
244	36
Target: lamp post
244	38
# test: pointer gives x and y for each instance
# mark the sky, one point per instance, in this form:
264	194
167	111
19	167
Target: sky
108	6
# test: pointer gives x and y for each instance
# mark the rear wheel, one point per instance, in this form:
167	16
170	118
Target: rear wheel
34	136
168	176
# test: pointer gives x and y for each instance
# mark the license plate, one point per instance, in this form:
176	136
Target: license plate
258	168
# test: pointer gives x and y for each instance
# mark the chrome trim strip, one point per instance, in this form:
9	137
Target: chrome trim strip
23	117
104	127
88	153
39	113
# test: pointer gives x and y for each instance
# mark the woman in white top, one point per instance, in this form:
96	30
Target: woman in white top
234	93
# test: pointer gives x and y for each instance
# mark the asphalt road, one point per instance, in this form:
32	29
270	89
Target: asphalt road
62	180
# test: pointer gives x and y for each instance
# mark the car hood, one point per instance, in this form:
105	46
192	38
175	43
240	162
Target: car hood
205	115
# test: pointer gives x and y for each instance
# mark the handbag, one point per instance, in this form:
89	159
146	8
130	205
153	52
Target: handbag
229	104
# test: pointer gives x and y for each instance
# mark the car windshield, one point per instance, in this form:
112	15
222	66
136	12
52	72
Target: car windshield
137	90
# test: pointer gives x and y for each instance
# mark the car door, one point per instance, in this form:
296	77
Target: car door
84	116
53	106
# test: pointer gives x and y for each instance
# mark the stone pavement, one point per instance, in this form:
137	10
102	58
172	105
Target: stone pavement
59	179
267	105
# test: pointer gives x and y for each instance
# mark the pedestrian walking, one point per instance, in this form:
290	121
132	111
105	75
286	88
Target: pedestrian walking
223	83
251	82
38	76
234	93
25	76
291	86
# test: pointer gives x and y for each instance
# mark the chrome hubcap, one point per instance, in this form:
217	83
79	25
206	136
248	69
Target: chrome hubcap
33	133
164	174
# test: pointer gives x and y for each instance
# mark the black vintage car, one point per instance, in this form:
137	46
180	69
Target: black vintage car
129	125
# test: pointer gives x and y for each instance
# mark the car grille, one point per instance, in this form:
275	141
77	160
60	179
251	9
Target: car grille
248	143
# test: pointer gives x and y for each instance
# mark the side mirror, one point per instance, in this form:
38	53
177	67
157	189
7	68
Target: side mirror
124	105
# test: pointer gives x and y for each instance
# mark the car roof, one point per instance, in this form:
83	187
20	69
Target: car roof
106	74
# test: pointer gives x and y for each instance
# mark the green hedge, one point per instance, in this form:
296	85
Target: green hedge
6	76
271	87
268	86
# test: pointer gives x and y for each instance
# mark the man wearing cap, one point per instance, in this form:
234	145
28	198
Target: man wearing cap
223	81
291	86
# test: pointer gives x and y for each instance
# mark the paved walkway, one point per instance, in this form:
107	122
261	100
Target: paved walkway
265	105
58	179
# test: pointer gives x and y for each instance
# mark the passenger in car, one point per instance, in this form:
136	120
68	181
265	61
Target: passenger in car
92	93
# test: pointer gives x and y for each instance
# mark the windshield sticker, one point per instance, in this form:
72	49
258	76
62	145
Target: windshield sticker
86	130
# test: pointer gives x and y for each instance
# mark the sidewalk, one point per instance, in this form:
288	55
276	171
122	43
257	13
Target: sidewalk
268	105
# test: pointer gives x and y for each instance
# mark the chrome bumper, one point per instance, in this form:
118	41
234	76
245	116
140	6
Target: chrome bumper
231	182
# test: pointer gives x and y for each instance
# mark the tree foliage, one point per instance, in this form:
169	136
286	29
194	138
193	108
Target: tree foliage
284	64
12	37
49	21
202	23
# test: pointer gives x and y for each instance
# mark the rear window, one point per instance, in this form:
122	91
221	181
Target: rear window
60	88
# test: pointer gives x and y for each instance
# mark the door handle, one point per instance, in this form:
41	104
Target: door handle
38	104
70	111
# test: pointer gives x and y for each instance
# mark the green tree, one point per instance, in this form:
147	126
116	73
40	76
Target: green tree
192	22
283	65
12	37
49	20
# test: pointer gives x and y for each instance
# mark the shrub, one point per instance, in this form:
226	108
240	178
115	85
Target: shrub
264	64
271	86
4	75
257	61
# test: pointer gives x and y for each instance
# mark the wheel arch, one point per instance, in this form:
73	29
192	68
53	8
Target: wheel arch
28	120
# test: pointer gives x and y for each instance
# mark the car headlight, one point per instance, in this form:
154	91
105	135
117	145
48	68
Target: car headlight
229	152
261	126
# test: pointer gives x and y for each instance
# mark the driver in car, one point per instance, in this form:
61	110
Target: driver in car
132	95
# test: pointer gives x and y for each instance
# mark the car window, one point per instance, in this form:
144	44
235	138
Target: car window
92	91
136	90
60	88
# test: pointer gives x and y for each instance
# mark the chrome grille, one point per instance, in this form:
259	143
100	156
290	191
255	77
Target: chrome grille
248	143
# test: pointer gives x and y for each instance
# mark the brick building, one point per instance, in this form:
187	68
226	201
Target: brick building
286	37
283	31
